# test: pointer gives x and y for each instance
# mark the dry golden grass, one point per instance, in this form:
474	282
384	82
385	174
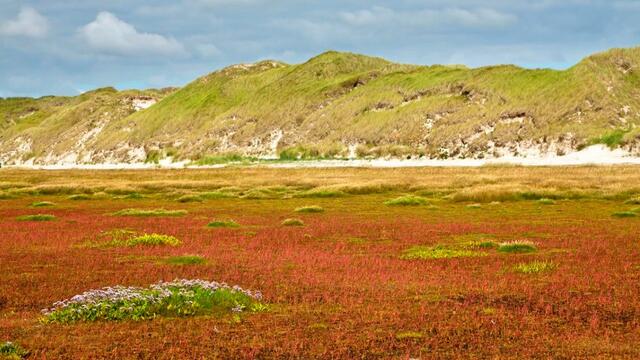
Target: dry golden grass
484	184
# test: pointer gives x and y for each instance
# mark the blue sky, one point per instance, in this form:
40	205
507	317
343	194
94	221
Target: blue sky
69	46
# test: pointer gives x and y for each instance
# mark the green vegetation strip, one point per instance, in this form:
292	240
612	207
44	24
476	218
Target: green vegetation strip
151	213
223	224
309	209
407	201
37	217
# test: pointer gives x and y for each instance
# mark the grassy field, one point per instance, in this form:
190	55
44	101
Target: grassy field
493	262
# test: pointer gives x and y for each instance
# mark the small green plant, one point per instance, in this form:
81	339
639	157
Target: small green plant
151	213
624	214
545	201
185	260
437	252
534	267
408	335
408	200
37	217
321	193
12	351
133	196
309	209
152	240
521	246
42	204
479	244
79	197
190	198
216	195
223	224
293	222
129	238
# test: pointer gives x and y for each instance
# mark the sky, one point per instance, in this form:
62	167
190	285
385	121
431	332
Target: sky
66	47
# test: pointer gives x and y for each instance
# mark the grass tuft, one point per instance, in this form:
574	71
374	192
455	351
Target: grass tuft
321	193
79	197
144	240
534	267
223	224
42	204
624	214
12	351
408	200
407	335
190	198
521	246
545	201
151	213
37	217
293	222
185	260
437	252
309	209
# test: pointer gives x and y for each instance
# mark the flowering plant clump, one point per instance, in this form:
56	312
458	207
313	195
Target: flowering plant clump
175	298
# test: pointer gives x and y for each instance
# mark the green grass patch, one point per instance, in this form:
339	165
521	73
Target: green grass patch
624	214
185	260
212	195
474	206
517	247
42	204
437	252
309	209
534	267
37	217
190	198
321	193
613	139
409	335
179	298
79	197
223	224
633	201
12	351
408	200
125	238
293	222
151	213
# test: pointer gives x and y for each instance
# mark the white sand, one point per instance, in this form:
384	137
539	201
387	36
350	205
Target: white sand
593	155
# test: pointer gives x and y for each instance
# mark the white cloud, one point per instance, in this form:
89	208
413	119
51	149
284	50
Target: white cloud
478	18
110	35
29	23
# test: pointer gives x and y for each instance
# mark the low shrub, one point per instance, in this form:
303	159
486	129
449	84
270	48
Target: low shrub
42	204
534	267
437	252
190	198
12	351
153	240
624	214
185	260
409	335
178	298
309	209
293	222
37	217
150	213
223	224
408	200
321	193
79	197
517	247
